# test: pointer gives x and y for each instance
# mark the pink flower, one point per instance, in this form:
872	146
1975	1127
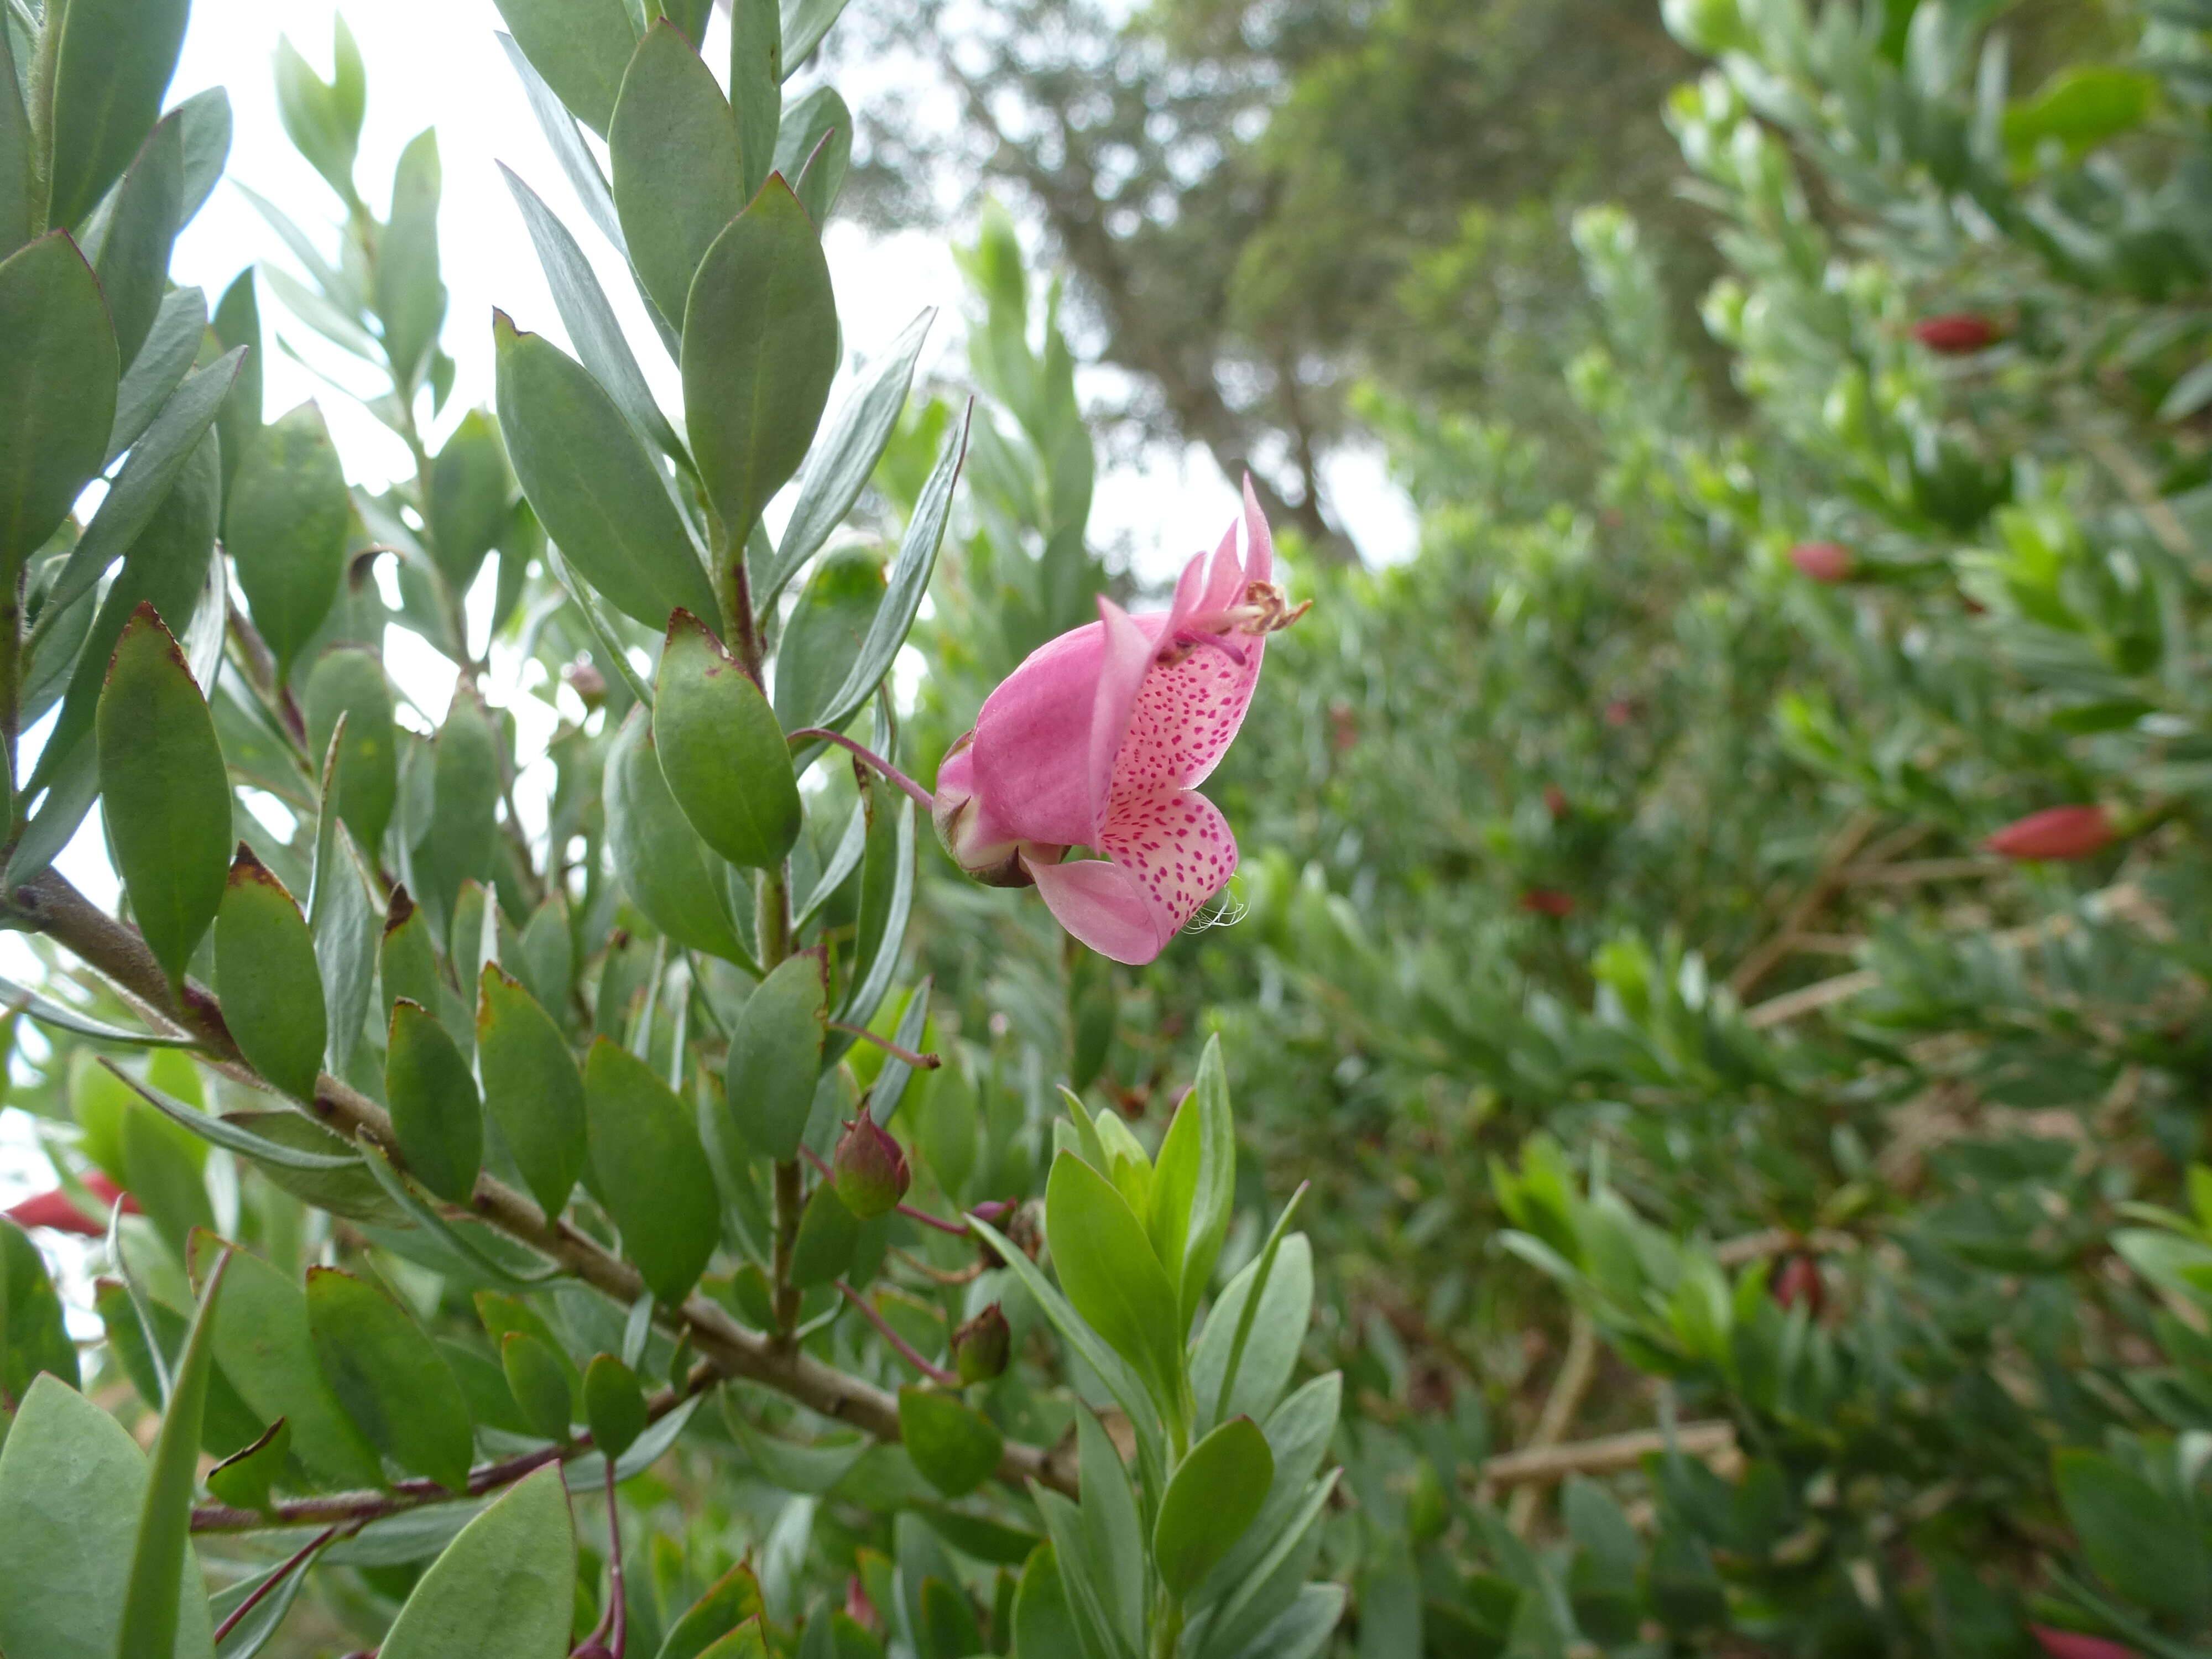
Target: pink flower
1099	739
2057	832
1957	334
1824	561
2072	1644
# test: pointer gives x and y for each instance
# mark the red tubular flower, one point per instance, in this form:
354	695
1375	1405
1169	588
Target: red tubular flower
1099	740
2055	833
1824	561
57	1211
2073	1644
1548	901
1956	334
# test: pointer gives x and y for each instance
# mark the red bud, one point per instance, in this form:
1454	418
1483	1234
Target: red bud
982	1347
1958	334
869	1170
858	1608
1555	800
2057	832
1800	1280
1824	561
1548	901
1620	711
2073	1644
57	1213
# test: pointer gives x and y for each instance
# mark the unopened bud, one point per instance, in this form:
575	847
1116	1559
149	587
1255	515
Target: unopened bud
868	1170
859	1609
1824	561
1548	901
980	1347
1958	334
958	814
587	682
1018	1221
1555	800
2056	833
1799	1281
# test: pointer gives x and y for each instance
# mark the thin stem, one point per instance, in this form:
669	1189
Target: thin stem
905	1350
617	1616
272	1581
789	1204
922	797
920	1062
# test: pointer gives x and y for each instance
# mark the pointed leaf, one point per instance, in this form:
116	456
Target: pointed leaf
760	349
1213	1498
1107	1266
531	1088
285	528
390	1377
592	484
162	364
581	46
956	1447
668	872
775	1057
721	751
33	1337
470	491
652	1170
267	977
111	71
614	1405
168	797
349	683
677	179
410	300
435	1114
58	398
822	636
536	1377
505	1589
137	234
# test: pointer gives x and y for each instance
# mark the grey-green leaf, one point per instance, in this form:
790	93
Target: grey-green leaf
411	299
531	1088
505	1589
668	872
285	528
57	398
580	47
470	490
1212	1498
677	179
349	683
390	1377
760	349
776	1056
435	1113
266	973
591	482
823	635
721	751
111	71
133	263
651	1171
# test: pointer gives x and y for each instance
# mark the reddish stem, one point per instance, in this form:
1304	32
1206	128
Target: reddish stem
298	1561
957	1228
905	1351
920	1062
922	797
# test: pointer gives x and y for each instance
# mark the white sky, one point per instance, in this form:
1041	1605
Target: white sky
436	63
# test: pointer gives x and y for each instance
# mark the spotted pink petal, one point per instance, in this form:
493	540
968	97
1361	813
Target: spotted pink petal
1180	846
1102	905
1188	712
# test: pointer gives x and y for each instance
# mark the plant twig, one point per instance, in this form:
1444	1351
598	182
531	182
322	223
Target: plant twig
905	1349
1778	947
298	1559
1606	1454
1577	1371
115	950
922	797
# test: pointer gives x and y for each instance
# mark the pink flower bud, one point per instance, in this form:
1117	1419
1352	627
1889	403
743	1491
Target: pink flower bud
57	1213
1548	901
982	1347
868	1170
1799	1281
2055	833
1824	561
858	1608
1957	334
2073	1644
1555	800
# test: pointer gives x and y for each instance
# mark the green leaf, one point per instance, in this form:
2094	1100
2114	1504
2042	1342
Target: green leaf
2146	1546
776	1056
1194	1184
1213	1498
505	1589
668	872
581	46
263	1343
111	71
805	23
653	1173
815	150
1273	1333
757	86
464	799
266	973
349	684
237	324
949	1629
822	634
137	234
614	1405
1043	1620
886	899
164	1171
537	1377
839	467
72	1484
165	568
547	962
796	1468
407	962
172	344
910	581
2084	105
17	180
168	795
323	119
159	1581
436	1115
590	322
745	1642
58	398
729	1601
244	1479
589	479
226	1132
677	179
1110	1274
828	1232
1113	1560
470	490
33	1337
410	300
390	1377
956	1447
531	1088
760	348
721	751
285	528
